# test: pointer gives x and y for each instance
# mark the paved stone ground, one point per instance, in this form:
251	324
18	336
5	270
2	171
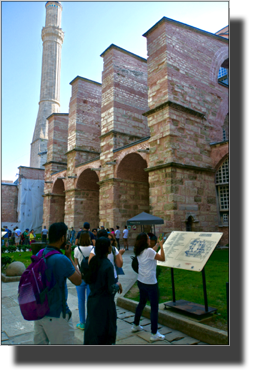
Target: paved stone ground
17	331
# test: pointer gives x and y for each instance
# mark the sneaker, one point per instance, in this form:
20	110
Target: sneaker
80	326
135	328
157	336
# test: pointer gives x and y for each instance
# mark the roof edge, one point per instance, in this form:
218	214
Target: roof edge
85	79
184	25
112	46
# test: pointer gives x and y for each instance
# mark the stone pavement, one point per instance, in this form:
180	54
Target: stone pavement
17	331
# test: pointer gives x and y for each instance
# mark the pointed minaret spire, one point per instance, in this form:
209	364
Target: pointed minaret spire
52	37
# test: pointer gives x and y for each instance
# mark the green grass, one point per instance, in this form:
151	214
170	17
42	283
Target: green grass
24	257
189	284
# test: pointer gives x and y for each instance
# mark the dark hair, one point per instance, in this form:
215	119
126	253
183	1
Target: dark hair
85	239
86	225
152	237
94	230
56	231
141	243
101	251
125	226
113	238
117	227
102	233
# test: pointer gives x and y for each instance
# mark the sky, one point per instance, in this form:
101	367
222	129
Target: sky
89	27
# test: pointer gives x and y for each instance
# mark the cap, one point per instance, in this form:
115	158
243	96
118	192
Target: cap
86	225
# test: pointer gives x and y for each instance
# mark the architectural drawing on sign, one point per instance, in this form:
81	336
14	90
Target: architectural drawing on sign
189	250
197	250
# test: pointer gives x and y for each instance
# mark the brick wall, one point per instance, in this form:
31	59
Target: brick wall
57	137
9	202
31	173
85	115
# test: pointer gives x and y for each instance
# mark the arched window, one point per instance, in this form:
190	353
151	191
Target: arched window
223	74
222	187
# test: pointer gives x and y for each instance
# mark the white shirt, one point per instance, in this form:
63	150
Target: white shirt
125	233
147	266
111	258
117	233
86	250
18	232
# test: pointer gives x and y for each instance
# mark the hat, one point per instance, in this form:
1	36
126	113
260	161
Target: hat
86	225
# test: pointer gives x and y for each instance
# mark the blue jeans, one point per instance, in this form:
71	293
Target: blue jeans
148	292
81	299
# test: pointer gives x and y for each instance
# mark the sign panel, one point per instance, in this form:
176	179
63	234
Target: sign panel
189	250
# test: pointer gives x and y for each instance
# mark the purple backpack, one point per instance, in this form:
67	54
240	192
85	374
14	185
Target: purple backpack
35	287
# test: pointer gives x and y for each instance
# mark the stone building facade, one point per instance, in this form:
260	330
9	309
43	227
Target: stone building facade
152	137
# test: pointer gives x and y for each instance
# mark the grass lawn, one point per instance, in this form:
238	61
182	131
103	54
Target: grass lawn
189	286
24	257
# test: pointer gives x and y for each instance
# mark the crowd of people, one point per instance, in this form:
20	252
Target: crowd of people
17	237
97	288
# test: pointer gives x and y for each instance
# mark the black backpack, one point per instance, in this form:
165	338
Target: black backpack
84	265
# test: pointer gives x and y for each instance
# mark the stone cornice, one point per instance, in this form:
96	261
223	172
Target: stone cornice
175	106
87	162
112	46
132	144
54	162
82	150
56	114
118	132
214	144
181	166
51	194
84	79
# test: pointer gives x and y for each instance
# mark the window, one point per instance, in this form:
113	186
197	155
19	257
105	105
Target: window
222	187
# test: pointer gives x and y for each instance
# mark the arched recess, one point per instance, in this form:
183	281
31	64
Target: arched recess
86	205
57	202
132	191
219	59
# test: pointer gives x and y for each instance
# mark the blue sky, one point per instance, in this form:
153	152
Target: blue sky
89	27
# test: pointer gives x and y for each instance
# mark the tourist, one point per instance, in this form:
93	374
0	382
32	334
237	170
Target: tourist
94	231
125	237
112	231
72	235
26	236
115	256
14	236
17	236
57	326
44	235
32	236
82	250
100	327
147	282
117	235
86	228
153	240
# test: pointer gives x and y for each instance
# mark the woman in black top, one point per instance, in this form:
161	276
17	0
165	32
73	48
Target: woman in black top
100	327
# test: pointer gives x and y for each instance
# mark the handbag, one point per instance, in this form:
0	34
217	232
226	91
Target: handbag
134	263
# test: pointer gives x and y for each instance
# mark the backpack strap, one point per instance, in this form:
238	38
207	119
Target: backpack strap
50	253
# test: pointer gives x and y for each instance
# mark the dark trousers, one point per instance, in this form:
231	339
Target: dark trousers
44	238
148	292
118	244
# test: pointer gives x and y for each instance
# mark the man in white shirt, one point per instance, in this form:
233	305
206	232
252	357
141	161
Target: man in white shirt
125	238
117	234
17	236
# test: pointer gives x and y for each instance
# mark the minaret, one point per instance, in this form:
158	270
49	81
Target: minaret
52	37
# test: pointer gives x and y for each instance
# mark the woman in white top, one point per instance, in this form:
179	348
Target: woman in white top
147	282
82	250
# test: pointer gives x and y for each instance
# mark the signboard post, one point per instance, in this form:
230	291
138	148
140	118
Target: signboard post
189	251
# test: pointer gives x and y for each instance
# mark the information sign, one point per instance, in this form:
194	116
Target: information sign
189	250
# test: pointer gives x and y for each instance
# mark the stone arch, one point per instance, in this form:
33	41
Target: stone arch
131	190
221	161
220	56
131	167
58	187
87	179
86	199
57	203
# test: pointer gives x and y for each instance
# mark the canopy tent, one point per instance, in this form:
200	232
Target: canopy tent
145	219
